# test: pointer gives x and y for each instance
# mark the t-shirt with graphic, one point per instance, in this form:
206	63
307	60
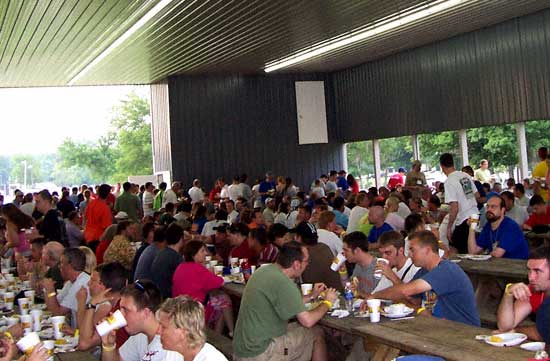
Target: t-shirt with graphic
507	236
452	294
137	348
460	188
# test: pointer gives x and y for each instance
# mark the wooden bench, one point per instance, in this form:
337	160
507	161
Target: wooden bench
489	320
222	343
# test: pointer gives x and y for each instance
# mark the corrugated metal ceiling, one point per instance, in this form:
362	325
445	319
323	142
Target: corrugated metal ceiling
48	42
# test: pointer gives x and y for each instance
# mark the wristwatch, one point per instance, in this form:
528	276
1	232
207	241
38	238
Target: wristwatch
90	306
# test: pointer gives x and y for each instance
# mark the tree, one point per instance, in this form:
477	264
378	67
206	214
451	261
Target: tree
33	169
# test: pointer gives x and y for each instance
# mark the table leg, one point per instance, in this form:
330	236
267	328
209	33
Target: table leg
379	351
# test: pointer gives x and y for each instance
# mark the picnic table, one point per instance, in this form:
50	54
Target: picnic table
75	356
501	268
429	335
538	239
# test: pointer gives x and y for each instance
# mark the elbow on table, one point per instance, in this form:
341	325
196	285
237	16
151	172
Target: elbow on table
306	320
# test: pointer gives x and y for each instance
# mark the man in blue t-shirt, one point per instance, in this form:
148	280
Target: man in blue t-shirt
266	186
500	236
444	289
376	218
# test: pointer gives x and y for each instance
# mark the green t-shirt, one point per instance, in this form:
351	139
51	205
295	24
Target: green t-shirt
270	299
157	201
129	203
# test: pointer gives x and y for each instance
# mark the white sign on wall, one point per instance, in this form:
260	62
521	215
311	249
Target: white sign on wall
311	111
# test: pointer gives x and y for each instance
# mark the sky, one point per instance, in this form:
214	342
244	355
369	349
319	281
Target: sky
36	120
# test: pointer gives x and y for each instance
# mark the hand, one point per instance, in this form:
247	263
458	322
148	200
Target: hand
450	234
48	284
331	295
520	291
108	339
8	350
100	297
338	230
67	330
385	269
81	296
317	289
39	353
16	330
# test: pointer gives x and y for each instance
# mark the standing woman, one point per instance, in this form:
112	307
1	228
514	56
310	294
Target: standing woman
353	184
17	223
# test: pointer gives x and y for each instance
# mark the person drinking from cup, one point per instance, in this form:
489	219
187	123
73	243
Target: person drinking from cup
356	250
138	303
182	329
444	289
72	264
521	301
270	300
399	268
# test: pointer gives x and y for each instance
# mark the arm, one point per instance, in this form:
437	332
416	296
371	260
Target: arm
308	319
473	248
453	211
108	347
514	306
498	252
403	291
51	300
88	336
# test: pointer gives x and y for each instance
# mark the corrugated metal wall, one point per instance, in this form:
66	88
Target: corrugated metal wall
495	75
160	128
227	125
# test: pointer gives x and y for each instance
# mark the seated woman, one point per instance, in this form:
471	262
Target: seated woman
193	279
182	330
17	224
259	243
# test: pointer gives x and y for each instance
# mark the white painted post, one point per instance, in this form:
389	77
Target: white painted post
463	141
522	148
416	146
377	171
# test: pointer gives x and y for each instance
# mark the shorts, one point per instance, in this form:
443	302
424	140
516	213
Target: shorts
295	345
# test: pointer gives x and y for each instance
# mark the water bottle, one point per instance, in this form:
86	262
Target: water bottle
348	295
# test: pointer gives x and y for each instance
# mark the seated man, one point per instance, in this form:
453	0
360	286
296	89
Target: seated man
138	303
168	259
445	290
521	300
270	300
399	268
183	331
516	212
356	250
72	264
501	235
540	215
377	218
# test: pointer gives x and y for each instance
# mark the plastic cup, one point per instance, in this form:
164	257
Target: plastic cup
28	343
8	300
234	261
3	283
26	323
27	284
213	263
474	221
252	269
374	317
218	270
23	306
49	345
374	305
208	258
57	323
12	321
378	273
306	288
36	316
337	262
113	322
30	295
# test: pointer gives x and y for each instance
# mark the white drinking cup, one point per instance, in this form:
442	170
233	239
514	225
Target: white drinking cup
26	323
57	323
234	262
218	270
8	300
337	262
113	322
474	221
28	343
23	306
307	288
378	273
36	316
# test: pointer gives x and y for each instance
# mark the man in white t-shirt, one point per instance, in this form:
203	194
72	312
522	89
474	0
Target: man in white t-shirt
232	214
182	330
171	195
461	195
195	193
138	303
148	199
399	268
325	232
71	265
357	212
236	189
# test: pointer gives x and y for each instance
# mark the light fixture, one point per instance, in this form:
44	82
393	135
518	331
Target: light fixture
138	25
394	21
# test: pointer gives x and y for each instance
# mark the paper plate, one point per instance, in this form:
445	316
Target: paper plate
508	339
533	346
407	312
479	257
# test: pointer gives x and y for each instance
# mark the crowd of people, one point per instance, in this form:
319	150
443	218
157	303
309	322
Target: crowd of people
154	252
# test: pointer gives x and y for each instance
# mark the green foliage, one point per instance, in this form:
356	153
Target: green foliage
17	172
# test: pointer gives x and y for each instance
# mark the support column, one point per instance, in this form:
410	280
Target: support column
344	159
463	142
376	157
522	148
416	146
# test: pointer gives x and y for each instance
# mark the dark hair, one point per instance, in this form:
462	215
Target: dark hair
446	160
113	275
144	293
290	252
40	241
147	184
351	180
239	228
185	207
122	226
126	186
468	170
338	202
536	200
357	240
519	187
173	234
169	207
508	195
412	222
191	249
283	207
75	258
540	253
435	200
46	195
147	227
426	239
276	231
160	234
14	215
260	235
103	191
392	238
220	215
163	186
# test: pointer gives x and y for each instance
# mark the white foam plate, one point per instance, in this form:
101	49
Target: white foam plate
479	257
407	312
533	346
508	339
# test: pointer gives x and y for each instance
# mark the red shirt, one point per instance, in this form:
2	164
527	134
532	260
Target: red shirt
395	179
121	334
100	250
355	188
536	300
268	254
98	218
539	219
244	251
194	280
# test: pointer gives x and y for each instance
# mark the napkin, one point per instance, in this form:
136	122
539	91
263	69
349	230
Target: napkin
340	313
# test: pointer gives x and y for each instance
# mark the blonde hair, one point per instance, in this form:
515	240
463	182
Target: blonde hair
392	202
91	261
187	314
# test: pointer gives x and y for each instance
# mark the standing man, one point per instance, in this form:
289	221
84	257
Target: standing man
416	178
49	226
159	197
270	300
461	195
195	193
128	202
98	217
541	174
267	186
148	199
171	195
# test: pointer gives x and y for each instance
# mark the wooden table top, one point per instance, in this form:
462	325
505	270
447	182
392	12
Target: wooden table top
428	335
502	268
234	289
75	356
